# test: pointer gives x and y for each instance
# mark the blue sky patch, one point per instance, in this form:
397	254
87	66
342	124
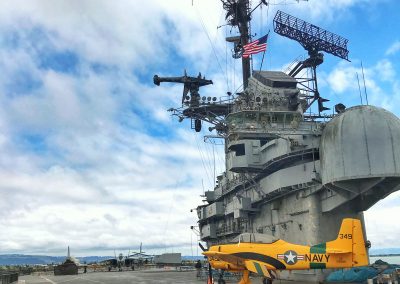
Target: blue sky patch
33	142
60	61
22	83
100	68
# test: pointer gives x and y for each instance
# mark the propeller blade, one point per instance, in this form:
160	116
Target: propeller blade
202	247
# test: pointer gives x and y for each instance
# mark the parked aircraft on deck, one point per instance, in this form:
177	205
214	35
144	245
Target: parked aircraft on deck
268	254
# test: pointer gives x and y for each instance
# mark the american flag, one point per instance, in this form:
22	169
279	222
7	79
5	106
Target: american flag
256	46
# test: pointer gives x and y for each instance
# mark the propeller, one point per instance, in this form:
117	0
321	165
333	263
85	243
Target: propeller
202	247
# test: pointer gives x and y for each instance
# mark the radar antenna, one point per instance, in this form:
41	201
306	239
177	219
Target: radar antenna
314	39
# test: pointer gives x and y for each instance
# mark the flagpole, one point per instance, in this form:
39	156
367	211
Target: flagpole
262	60
243	25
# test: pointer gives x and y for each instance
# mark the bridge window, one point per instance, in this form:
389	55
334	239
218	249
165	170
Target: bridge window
239	149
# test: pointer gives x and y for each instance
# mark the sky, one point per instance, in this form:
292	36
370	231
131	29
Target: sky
91	158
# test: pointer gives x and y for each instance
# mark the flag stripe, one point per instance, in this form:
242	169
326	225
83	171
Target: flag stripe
250	44
255	50
256	46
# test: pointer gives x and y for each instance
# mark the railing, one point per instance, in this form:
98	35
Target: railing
228	230
8	277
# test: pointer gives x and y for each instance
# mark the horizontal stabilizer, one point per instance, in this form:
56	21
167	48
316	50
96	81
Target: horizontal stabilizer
257	267
337	251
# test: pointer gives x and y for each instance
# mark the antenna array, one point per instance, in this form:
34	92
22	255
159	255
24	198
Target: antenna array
311	37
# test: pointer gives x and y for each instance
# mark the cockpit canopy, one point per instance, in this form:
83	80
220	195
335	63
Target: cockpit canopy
255	238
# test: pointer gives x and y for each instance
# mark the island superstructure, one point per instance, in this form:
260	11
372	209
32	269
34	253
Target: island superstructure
289	173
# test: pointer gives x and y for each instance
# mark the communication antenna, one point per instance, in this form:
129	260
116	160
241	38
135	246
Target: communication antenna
314	39
359	88
365	88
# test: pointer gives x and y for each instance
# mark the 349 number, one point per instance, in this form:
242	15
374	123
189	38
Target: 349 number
346	236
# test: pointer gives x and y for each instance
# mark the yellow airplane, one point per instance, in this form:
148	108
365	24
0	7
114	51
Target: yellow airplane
348	250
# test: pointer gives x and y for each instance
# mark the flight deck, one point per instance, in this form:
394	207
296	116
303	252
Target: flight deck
139	277
125	277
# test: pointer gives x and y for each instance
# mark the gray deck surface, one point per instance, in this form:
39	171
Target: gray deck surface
125	277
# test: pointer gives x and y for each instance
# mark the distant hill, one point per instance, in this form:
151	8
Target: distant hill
193	258
22	259
384	251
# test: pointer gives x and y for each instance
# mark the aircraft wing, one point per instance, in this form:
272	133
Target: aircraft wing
227	257
140	256
255	266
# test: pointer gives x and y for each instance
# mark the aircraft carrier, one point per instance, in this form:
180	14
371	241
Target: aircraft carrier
290	173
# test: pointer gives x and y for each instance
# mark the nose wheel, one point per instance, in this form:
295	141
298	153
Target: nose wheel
267	281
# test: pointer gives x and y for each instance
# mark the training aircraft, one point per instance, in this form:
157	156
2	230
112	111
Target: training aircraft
133	259
138	258
264	256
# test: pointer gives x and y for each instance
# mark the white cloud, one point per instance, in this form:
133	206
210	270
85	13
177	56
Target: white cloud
343	78
380	82
385	70
98	174
141	187
394	48
382	231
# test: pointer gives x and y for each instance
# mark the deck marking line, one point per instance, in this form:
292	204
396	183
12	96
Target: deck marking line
90	280
48	280
69	280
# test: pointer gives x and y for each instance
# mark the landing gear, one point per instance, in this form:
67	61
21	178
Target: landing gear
267	281
220	279
245	278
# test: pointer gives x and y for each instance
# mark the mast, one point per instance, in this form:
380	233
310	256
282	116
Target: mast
238	14
244	38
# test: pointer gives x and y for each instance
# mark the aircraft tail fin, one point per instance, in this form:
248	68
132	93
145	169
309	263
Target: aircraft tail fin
350	240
